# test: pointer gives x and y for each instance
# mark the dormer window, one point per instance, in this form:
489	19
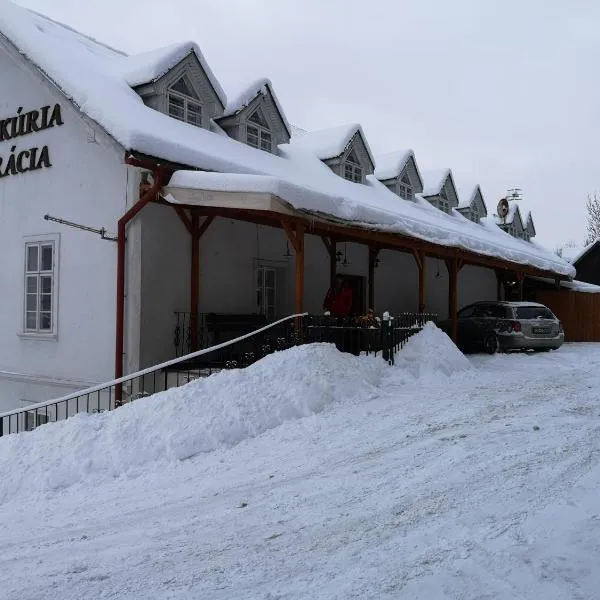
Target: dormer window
406	189
352	169
258	132
183	103
444	204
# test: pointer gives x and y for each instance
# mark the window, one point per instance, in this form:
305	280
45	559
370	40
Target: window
466	312
40	286
443	203
534	312
258	134
266	296
406	189
352	169
183	103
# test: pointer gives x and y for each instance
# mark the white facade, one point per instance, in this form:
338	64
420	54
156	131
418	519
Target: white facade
86	181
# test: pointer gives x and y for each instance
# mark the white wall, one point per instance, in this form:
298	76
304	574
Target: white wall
86	184
230	252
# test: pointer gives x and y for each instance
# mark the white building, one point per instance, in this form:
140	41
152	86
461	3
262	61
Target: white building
86	131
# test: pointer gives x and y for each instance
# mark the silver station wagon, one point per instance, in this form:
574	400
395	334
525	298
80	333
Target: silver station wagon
504	326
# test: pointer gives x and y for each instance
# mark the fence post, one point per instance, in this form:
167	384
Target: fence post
387	348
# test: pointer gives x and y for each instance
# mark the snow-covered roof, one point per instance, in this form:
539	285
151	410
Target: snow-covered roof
243	97
433	181
513	211
330	142
92	76
147	67
466	194
391	165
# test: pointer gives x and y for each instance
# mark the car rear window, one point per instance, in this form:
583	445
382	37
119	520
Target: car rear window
534	312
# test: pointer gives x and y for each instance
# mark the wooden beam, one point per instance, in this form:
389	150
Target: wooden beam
453	296
420	260
373	252
184	218
293	235
201	230
299	247
195	281
332	262
327	241
384	240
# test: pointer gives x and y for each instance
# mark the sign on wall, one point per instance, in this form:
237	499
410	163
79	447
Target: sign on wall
22	160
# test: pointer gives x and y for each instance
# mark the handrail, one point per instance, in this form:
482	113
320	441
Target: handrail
147	371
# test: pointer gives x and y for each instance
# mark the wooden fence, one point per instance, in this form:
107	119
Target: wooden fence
579	313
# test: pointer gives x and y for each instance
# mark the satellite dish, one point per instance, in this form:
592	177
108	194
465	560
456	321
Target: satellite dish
502	208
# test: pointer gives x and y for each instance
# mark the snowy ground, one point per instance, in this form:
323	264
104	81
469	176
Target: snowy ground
454	480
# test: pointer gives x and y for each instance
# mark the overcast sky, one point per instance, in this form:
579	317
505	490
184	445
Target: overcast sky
504	92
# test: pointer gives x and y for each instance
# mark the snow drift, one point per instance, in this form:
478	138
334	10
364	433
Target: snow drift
207	414
431	356
204	415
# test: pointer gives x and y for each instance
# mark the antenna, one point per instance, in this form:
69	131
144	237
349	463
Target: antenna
514	194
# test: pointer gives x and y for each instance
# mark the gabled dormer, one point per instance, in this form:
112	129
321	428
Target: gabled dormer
255	117
439	189
343	149
513	222
471	203
529	226
398	171
178	82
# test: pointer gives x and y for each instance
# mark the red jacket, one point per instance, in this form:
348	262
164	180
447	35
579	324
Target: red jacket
339	303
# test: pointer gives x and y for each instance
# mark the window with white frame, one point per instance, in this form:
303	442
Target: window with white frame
183	103
266	284
40	286
258	132
406	189
352	169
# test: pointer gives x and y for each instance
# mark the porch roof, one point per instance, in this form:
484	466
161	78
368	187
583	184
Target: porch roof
403	224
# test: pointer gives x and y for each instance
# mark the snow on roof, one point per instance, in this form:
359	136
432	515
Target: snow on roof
573	252
330	142
513	211
147	67
92	76
242	98
388	166
433	181
466	195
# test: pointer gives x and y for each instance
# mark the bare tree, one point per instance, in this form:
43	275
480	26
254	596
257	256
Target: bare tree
593	218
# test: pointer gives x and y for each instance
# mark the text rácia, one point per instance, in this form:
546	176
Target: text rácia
22	160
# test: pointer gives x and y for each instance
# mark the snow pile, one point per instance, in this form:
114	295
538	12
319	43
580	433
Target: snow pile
431	356
219	411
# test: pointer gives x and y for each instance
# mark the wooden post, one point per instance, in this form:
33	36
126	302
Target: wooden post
453	265
300	268
498	286
296	238
420	260
520	281
194	282
331	246
373	252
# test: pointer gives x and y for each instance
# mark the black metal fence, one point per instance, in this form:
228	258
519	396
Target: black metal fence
370	335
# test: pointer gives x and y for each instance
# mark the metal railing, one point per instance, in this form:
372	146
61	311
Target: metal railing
173	373
364	335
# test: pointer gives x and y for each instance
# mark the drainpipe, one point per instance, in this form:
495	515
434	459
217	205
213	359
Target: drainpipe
149	195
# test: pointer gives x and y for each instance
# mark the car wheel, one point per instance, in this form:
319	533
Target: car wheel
491	344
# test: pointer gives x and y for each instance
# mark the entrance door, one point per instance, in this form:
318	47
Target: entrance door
358	285
266	290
